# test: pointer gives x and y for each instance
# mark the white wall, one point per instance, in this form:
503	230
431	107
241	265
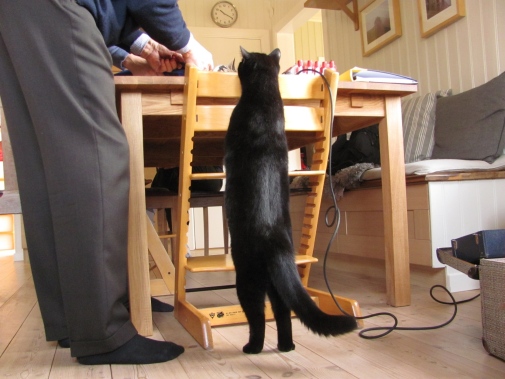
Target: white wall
464	55
309	41
251	14
281	18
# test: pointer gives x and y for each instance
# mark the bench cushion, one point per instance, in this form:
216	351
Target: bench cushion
471	125
441	165
418	118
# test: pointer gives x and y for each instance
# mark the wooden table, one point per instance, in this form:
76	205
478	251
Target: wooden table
360	104
150	110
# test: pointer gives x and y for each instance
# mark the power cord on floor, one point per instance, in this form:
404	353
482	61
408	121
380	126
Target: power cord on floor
334	212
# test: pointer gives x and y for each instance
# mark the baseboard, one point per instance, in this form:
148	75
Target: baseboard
456	281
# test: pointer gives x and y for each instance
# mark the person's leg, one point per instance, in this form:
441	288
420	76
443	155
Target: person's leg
71	158
35	201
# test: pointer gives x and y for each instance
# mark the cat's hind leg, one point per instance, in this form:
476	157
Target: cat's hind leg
282	316
251	293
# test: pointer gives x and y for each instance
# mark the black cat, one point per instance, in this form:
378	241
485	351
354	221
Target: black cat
257	207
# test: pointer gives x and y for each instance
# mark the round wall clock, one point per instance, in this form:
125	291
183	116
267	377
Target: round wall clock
224	14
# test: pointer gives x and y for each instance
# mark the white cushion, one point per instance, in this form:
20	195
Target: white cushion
431	166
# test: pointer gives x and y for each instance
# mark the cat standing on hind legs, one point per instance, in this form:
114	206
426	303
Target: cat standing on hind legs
257	208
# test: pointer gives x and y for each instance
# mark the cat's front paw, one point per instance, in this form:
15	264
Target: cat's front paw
251	348
285	347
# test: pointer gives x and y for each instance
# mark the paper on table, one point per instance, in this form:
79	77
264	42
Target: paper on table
357	74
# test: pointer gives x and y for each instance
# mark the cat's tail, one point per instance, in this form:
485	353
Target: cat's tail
286	280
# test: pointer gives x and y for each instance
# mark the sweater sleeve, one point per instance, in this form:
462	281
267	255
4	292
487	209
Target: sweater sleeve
118	56
119	21
162	20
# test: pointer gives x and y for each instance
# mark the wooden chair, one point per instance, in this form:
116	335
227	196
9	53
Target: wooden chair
209	99
160	199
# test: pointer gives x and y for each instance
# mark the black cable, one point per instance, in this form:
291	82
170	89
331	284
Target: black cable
336	218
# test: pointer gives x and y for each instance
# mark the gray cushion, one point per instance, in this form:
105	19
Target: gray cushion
418	118
471	125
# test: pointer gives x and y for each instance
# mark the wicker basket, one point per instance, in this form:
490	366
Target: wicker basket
491	273
492	283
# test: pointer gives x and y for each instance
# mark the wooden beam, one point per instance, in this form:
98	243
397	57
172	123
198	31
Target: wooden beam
339	5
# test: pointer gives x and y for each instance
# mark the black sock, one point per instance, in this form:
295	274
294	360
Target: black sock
156	306
138	350
159	306
65	343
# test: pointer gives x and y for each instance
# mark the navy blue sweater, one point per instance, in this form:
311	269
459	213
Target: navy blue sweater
119	21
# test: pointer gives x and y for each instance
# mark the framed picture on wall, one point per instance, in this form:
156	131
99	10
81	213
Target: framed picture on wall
380	24
435	15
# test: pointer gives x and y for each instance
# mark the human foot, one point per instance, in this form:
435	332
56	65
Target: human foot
156	306
159	306
65	343
138	350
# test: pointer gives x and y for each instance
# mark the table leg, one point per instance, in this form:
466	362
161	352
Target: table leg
394	200
138	261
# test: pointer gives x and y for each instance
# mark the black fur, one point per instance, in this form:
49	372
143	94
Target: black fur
257	207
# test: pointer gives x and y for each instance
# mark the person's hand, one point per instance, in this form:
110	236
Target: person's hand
160	58
199	57
139	66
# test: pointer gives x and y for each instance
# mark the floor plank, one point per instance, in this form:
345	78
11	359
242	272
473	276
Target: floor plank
28	353
454	351
301	362
65	367
13	275
15	310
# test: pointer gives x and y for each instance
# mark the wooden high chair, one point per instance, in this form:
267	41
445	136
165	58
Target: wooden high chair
161	198
209	99
157	235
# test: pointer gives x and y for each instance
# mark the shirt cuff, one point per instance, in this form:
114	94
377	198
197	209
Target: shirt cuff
189	46
139	44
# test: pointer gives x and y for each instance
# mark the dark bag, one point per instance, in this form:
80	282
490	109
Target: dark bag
169	178
362	147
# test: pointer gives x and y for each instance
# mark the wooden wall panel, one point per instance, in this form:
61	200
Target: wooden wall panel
411	223
418	252
364	223
421	225
309	41
359	200
369	199
361	230
464	55
418	197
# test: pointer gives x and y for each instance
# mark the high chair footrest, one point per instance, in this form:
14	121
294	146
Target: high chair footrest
166	236
307	173
224	262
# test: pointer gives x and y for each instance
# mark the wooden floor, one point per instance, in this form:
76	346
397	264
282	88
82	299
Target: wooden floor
452	352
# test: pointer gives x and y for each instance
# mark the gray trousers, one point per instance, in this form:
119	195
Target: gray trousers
71	158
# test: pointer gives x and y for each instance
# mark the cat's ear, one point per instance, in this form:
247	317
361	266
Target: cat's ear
276	54
244	52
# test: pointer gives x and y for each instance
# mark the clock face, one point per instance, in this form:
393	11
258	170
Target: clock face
224	14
